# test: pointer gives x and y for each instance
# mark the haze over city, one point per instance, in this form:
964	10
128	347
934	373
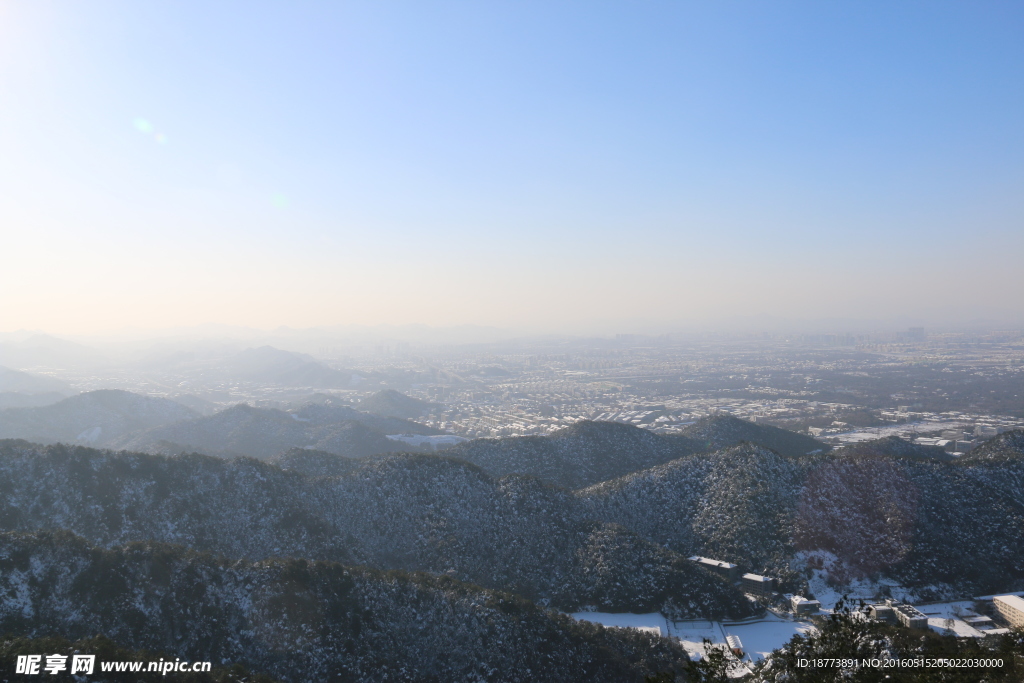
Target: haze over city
575	168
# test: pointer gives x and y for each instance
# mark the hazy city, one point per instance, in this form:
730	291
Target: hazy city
939	386
449	342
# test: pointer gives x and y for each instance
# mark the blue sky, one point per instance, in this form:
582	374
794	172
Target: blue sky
545	166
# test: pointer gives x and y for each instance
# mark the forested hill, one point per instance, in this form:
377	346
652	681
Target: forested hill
618	545
267	432
583	453
307	621
590	452
738	505
895	447
1006	446
314	463
723	431
124	420
413	512
879	508
95	417
391	403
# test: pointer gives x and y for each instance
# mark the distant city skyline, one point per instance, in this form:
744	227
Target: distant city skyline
571	168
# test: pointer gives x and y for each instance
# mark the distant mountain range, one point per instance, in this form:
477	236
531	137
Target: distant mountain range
42	350
266	432
24	390
267	365
120	419
15	381
98	417
14	399
262	433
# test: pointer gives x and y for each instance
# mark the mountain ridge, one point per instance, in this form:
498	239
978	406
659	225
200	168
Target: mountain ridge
588	452
98	417
411	512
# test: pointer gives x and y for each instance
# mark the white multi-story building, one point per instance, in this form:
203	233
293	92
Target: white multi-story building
1011	608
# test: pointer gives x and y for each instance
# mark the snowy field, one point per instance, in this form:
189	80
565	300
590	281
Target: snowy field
958	618
905	430
692	634
947	610
856	589
759	636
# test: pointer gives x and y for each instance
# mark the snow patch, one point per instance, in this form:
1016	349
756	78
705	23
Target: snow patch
90	434
826	567
435	442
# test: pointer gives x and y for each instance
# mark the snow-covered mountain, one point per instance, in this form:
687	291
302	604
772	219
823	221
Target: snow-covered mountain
308	621
411	512
590	452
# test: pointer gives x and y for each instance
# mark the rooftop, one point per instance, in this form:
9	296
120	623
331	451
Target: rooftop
716	563
1014	601
757	577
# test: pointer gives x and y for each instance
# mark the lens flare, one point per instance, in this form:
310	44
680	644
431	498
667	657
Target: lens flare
146	128
279	200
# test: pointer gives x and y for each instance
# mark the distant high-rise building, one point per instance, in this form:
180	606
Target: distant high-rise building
916	334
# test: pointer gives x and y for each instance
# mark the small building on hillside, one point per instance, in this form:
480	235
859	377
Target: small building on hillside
802	605
735	645
894	612
882	613
908	615
979	622
726	569
757	584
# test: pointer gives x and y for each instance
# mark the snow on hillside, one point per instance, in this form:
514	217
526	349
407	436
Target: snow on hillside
759	636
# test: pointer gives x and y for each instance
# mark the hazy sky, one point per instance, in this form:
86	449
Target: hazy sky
535	165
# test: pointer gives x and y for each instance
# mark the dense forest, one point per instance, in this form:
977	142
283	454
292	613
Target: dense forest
184	553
